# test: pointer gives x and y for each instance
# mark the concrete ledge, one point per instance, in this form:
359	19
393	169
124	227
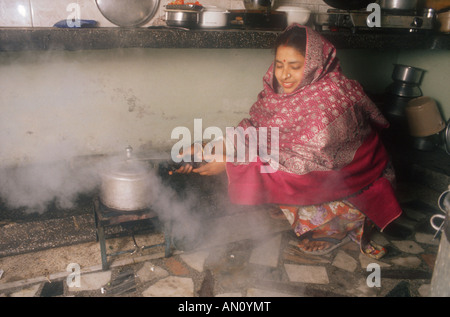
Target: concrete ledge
29	39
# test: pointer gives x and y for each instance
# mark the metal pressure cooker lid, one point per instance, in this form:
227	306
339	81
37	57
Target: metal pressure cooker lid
128	13
127	170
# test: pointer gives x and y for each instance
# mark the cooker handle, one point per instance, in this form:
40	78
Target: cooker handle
129	149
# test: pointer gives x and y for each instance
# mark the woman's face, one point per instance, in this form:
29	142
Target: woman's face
289	64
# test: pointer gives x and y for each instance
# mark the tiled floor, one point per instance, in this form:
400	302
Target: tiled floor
245	254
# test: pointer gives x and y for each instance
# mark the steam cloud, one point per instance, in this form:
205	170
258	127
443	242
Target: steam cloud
34	186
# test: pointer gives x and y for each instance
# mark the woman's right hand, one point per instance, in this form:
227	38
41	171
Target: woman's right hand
194	151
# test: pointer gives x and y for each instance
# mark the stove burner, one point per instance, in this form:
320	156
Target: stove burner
105	217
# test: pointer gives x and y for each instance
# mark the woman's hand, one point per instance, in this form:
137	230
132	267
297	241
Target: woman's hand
214	155
194	151
211	168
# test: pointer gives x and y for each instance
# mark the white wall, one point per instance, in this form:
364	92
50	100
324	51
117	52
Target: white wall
58	104
66	103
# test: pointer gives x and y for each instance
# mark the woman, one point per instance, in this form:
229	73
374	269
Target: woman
333	180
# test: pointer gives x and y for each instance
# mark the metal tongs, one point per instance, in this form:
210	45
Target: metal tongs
444	206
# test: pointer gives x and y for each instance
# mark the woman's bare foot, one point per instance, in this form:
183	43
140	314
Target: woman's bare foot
311	245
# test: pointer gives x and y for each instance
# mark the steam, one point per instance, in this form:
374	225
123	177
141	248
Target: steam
34	186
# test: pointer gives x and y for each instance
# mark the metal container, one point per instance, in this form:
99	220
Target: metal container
126	185
295	14
424	118
258	4
182	18
407	74
402	5
444	21
405	90
213	17
131	13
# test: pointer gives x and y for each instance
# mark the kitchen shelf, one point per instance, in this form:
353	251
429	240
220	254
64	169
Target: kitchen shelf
41	39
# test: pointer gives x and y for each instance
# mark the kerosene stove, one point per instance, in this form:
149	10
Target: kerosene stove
106	217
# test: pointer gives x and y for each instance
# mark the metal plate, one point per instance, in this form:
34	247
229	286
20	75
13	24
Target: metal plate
348	4
128	13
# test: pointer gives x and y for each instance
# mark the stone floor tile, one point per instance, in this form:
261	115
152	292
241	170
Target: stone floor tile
92	281
424	290
267	253
30	291
345	262
365	261
430	260
408	246
52	289
352	246
402	289
362	289
307	273
426	238
379	238
150	272
176	267
172	286
195	260
408	261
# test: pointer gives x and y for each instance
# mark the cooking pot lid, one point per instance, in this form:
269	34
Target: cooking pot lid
126	169
129	13
214	9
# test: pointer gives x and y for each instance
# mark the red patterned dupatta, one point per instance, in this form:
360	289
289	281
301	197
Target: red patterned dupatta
329	148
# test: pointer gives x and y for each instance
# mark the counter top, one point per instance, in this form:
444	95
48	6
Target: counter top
38	39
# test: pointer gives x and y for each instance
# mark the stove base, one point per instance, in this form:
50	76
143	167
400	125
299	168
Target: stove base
106	217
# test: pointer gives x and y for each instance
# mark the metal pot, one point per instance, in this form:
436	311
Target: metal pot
131	13
258	4
407	74
405	90
403	5
126	185
182	18
213	17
